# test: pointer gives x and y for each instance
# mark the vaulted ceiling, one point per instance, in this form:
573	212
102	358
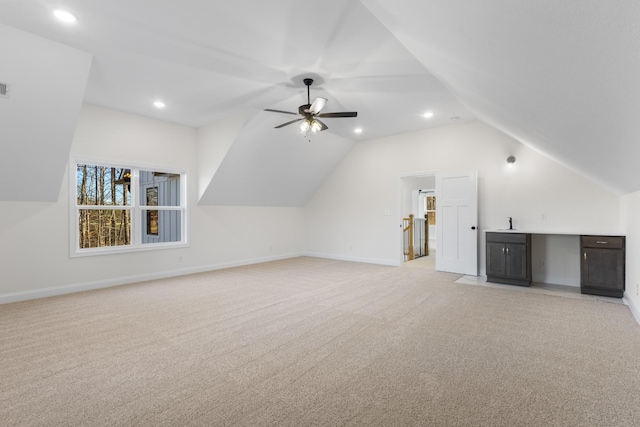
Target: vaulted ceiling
560	76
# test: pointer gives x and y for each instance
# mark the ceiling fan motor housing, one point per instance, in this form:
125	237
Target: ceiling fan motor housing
304	109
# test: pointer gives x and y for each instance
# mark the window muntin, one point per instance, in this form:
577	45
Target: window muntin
110	207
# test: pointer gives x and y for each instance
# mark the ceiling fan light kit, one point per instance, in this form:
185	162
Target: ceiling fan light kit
310	113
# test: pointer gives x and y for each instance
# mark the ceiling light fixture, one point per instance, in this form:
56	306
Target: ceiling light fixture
310	124
65	16
511	160
428	115
159	104
358	130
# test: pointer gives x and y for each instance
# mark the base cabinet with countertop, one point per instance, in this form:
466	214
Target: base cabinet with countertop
602	266
508	258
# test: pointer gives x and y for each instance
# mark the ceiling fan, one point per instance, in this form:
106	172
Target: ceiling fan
311	115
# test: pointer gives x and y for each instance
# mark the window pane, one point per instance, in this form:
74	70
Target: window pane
167	187
152	196
432	218
431	203
152	222
166	224
100	228
103	186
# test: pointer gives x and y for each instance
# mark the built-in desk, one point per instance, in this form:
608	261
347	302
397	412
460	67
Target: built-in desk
602	260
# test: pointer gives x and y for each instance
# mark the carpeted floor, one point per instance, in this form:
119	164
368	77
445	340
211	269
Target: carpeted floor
306	342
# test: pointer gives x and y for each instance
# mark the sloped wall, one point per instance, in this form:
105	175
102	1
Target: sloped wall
47	84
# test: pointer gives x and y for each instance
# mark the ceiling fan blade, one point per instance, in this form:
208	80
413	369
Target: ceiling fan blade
324	127
318	104
342	114
288	123
279	111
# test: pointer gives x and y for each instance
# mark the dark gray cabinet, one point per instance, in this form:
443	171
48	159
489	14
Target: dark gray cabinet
602	266
508	258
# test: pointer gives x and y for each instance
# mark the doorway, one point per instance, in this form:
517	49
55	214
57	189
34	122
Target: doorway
418	200
456	231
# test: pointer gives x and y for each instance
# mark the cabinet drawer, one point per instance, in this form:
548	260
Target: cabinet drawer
508	237
611	242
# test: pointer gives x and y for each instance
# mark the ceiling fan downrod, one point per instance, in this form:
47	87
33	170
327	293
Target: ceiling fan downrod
308	82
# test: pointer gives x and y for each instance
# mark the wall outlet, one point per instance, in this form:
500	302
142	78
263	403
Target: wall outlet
542	263
180	258
543	216
386	212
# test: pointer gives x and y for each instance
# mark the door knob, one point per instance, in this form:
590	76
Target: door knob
473	227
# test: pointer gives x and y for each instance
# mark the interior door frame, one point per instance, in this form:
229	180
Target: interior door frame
400	243
435	173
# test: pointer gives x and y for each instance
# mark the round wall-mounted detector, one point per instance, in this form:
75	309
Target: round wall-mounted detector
511	160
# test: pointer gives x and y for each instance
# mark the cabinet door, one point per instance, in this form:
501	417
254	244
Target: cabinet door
516	262
602	268
496	259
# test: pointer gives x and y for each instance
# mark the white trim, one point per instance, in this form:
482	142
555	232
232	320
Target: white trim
390	262
127	280
135	207
634	310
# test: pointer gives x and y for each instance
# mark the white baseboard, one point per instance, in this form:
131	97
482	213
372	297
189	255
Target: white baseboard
634	310
99	284
393	263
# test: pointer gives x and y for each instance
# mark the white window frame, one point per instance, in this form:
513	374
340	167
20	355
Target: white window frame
135	207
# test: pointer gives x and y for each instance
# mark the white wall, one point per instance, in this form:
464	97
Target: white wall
34	237
347	212
631	225
345	219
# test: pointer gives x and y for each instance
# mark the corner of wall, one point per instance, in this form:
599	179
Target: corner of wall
634	310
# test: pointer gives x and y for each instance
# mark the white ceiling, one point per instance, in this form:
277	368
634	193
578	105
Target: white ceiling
560	76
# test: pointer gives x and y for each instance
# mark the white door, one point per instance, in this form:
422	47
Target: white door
457	219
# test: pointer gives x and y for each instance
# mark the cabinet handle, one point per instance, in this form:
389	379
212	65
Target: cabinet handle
585	256
502	250
601	242
507	251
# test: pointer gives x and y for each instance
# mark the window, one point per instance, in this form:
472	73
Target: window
111	208
430	208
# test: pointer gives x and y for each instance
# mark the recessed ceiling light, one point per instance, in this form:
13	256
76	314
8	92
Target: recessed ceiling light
65	16
428	115
159	104
455	118
358	130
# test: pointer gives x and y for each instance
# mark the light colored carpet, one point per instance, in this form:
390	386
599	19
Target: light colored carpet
307	342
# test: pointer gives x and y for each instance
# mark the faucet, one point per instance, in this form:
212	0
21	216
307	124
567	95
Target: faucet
510	223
